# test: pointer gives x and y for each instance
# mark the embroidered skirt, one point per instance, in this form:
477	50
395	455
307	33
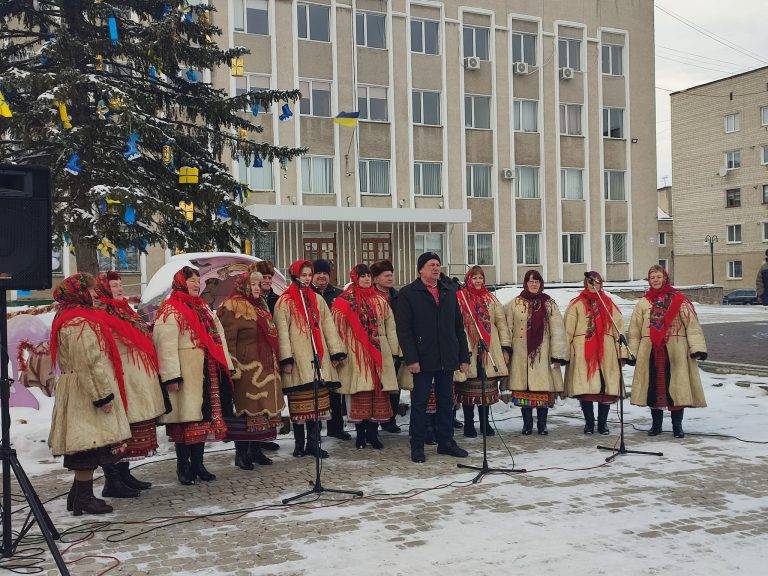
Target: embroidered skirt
301	404
211	430
143	441
374	405
528	399
470	392
259	428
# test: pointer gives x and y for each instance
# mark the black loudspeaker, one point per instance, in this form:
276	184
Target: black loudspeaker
25	227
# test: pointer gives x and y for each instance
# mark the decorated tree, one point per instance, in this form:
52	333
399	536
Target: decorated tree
114	98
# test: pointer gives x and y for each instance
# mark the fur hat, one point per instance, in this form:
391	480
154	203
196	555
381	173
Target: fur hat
321	266
380	267
426	257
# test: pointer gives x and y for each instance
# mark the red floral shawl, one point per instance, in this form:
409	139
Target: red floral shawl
475	304
598	325
665	306
296	295
264	322
536	325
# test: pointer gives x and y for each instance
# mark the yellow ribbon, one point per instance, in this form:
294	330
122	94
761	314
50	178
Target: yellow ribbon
66	119
5	109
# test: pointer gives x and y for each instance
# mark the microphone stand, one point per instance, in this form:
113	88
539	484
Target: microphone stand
317	382
481	349
622	449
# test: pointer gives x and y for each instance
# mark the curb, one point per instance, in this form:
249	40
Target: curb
733	368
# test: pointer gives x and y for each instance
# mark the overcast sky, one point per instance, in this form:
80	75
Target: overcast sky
685	57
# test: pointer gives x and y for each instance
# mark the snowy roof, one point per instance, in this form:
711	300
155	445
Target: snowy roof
661	215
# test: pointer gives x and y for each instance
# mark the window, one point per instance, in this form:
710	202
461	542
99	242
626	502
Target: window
570	119
613	183
524	48
425	36
526	113
372	103
314	22
251	83
734	233
427	179
573	248
124	260
572	183
734	270
251	16
764	115
765	231
426	107
371	29
616	248
256	178
569	53
765	193
664	264
316	175
374	177
315	98
764	155
265	245
57	261
662	238
527	246
613	122
733	159
612	59
429	242
526	181
477	111
480	249
732	122
733	198
479	180
476	42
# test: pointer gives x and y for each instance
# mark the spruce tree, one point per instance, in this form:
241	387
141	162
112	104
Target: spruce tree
112	97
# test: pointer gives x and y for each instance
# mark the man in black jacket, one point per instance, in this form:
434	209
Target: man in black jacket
431	334
384	280
267	270
321	283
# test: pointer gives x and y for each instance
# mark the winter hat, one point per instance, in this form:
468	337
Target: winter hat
265	267
380	267
322	266
426	257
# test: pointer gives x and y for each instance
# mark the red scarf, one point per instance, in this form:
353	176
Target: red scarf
598	325
133	328
475	304
264	322
360	309
536	325
665	306
296	295
193	314
76	309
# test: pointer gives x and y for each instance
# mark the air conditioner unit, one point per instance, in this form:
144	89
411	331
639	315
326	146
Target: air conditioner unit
723	171
521	68
507	174
472	63
566	73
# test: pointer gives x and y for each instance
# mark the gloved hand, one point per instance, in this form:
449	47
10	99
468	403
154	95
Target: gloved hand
699	355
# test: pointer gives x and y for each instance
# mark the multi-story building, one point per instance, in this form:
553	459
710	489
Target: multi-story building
666	236
720	179
511	135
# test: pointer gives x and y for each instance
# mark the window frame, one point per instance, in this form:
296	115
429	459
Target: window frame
242	165
730	269
763	115
422	22
564	180
365	14
607	188
567	53
421	107
664	263
312	159
662	238
114	261
307	19
263	234
733	192
367	88
566	238
765	231
245	30
420	164
522	236
521	36
474	248
734	234
612	59
367	162
765	194
732	164
470	177
470	122
311	99
423	237
607	123
518	180
610	248
563	109
764	155
517	115
474	29
736	116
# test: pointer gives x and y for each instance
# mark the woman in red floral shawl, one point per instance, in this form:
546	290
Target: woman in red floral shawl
142	385
666	335
194	362
367	328
89	426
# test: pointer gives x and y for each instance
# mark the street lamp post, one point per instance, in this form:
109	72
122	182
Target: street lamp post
711	239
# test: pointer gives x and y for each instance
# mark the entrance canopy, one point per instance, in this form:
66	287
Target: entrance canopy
356	214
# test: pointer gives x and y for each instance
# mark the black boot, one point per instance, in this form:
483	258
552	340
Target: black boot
129	480
657	416
588	409
114	486
183	466
469	420
677	423
372	436
484	412
429	437
243	458
336	423
527	412
269	446
456	423
83	500
602	418
257	456
541	420
313	443
360	435
71	496
417	453
198	468
391	425
298	440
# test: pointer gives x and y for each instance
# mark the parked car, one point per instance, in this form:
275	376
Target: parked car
741	297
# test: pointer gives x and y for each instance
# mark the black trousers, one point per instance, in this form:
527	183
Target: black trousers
422	384
336	423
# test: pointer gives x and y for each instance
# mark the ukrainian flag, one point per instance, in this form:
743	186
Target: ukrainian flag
347	119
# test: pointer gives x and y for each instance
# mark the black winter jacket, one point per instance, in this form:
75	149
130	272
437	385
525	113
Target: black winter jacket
429	334
329	295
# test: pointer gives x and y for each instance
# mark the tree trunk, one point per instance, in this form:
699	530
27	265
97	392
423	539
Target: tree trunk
85	255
